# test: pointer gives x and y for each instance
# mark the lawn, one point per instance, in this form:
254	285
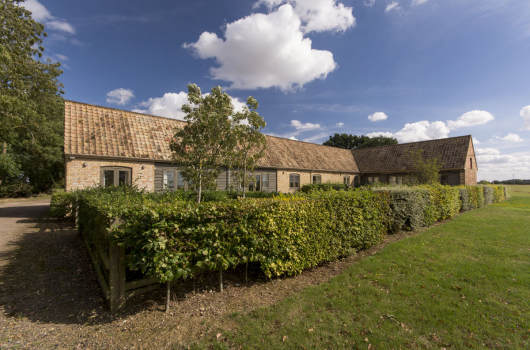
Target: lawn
461	284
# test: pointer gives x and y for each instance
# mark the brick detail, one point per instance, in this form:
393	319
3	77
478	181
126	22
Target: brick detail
79	176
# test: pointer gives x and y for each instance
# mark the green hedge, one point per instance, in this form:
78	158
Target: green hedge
420	206
62	205
168	236
488	195
328	186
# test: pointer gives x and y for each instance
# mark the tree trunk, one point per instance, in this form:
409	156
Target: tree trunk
221	278
245	176
168	295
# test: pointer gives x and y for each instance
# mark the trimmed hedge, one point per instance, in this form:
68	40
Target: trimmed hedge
420	206
328	186
168	236
62	205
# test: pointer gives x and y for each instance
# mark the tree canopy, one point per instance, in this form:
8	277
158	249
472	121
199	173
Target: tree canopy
354	141
427	170
251	143
214	136
31	106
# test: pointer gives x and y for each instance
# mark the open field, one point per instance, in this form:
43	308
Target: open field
462	284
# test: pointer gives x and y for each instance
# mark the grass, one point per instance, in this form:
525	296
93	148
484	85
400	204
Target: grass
464	284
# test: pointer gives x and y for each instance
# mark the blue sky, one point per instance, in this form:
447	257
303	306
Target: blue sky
411	69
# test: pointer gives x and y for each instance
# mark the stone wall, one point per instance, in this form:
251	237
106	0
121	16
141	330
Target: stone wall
85	172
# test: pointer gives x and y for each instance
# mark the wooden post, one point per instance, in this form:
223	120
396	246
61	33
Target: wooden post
117	278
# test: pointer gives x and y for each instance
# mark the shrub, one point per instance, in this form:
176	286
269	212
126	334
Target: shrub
498	194
62	205
464	198
488	195
328	186
476	197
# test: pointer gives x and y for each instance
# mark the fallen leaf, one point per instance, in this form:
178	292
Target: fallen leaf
365	339
310	330
219	335
284	337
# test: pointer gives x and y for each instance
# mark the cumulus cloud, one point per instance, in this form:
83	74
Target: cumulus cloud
120	96
268	50
339	124
475	141
293	138
377	116
419	131
497	166
318	15
470	119
487	151
512	138
418	2
304	126
170	105
41	14
525	114
393	6
369	3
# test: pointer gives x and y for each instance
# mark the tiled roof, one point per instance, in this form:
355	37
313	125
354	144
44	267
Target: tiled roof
107	132
452	152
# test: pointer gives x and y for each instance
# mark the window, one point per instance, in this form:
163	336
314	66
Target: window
470	163
346	180
169	180
115	176
370	179
180	181
265	180
376	179
255	183
400	180
294	181
317	179
392	180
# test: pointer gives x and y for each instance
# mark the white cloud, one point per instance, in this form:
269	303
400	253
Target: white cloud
512	138
525	114
418	2
380	133
475	141
487	151
304	126
504	166
120	96
339	124
393	6
263	51
470	119
293	138
170	105
369	3
377	116
318	15
61	57
41	14
419	131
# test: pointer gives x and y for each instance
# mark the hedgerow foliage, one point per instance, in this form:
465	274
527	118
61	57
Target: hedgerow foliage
328	186
168	238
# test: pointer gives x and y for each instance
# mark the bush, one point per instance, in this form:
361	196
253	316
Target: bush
328	186
498	194
62	205
464	199
476	197
488	195
252	194
408	206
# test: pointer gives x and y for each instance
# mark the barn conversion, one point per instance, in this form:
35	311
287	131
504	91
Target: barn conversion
109	146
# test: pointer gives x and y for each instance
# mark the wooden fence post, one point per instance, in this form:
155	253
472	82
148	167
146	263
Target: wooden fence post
117	278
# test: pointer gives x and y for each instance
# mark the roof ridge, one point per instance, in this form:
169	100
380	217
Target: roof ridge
410	143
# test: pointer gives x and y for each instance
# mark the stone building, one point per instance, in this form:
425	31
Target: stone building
106	146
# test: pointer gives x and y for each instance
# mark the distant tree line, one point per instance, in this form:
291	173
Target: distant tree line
511	182
355	142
